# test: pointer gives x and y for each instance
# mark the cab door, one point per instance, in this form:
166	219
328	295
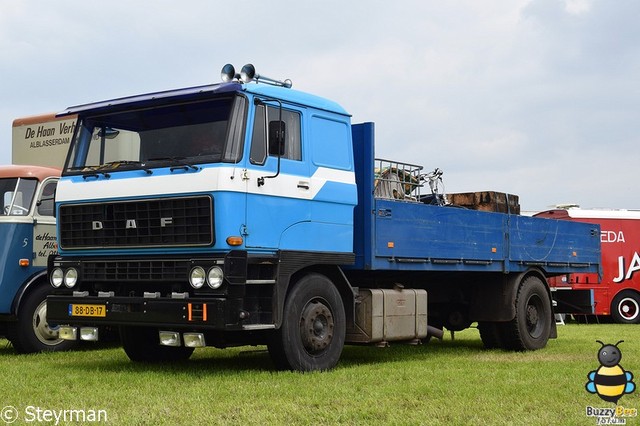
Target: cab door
44	228
278	184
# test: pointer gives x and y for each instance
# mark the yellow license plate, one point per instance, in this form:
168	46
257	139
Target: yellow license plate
87	310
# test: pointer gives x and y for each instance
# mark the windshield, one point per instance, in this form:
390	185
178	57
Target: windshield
17	194
179	134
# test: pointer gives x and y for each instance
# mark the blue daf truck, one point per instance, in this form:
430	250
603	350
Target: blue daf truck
249	213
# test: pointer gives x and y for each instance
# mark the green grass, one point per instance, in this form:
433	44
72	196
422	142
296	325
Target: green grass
443	382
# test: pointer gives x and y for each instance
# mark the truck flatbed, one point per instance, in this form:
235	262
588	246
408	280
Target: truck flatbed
408	235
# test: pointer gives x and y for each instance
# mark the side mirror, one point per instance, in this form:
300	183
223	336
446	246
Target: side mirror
108	133
46	206
277	131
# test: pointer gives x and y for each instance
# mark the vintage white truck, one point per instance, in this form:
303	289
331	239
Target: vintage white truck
28	230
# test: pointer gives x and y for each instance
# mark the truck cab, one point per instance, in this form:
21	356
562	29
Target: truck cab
157	154
28	235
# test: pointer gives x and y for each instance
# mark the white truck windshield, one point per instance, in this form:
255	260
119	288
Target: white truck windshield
17	195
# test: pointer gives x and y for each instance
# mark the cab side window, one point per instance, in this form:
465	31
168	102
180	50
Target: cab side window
46	205
292	139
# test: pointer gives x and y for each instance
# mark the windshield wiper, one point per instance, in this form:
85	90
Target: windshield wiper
95	171
182	164
117	164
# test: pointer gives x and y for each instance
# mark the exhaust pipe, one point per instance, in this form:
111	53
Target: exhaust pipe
435	332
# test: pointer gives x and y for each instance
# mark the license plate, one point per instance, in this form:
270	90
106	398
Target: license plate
87	310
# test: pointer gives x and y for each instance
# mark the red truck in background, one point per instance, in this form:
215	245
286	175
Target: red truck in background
617	294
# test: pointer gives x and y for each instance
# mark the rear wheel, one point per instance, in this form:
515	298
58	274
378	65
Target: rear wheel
530	329
313	327
32	332
141	344
625	308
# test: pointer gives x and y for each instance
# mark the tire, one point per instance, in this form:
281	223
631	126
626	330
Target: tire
530	329
491	334
625	307
31	332
141	344
313	329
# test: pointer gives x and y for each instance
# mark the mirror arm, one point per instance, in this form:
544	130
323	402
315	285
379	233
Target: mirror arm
257	101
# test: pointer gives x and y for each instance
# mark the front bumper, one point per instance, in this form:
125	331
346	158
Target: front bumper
194	313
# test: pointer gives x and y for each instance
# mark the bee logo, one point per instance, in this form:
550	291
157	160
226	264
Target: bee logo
610	381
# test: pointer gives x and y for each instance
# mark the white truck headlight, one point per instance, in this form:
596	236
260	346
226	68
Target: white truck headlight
214	277
197	277
71	277
57	277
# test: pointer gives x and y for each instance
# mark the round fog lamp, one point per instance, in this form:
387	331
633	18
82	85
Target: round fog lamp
71	277
197	277
214	278
57	277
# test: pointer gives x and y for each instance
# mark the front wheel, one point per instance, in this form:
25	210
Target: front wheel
142	344
32	332
313	327
530	329
625	307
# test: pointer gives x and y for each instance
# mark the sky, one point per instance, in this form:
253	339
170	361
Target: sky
537	98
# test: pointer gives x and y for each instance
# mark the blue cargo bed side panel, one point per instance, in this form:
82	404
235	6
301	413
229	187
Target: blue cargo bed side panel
554	243
415	230
415	236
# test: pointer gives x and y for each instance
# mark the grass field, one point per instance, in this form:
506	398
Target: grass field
452	382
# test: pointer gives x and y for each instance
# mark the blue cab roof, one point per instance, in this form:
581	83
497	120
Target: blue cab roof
203	92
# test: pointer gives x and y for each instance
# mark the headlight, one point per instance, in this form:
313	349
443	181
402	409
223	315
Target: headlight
197	277
71	277
214	277
57	277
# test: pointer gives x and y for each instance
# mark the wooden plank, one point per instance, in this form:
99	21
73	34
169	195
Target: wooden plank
489	201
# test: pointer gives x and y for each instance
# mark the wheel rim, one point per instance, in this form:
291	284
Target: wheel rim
316	327
535	316
43	332
628	309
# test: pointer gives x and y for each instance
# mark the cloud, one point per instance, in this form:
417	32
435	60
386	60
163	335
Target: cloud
508	95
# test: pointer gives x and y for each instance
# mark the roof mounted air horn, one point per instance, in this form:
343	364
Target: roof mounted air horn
248	74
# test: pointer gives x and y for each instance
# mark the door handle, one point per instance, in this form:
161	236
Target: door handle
303	185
